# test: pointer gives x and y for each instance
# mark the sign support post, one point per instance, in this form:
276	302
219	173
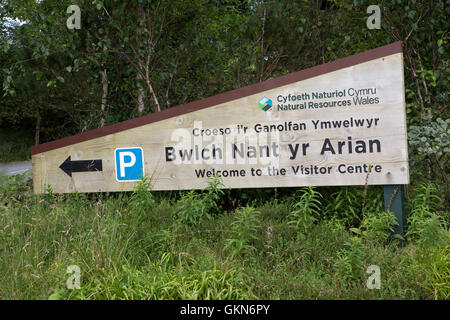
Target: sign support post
394	201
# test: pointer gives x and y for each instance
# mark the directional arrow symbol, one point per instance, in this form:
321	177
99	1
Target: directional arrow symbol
70	166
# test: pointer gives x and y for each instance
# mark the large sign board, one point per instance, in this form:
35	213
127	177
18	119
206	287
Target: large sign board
340	123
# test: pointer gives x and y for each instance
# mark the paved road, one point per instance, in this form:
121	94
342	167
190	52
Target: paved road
13	168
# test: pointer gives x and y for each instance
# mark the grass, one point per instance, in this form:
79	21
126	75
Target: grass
15	145
144	245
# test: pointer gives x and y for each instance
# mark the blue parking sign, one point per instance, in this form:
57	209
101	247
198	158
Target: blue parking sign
129	164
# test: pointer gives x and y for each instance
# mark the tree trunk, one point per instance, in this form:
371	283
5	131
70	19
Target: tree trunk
149	85
262	45
104	92
152	93
141	93
38	126
104	96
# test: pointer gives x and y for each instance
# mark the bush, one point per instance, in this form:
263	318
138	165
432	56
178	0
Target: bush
141	200
349	262
377	227
121	242
194	207
306	210
346	204
425	226
244	228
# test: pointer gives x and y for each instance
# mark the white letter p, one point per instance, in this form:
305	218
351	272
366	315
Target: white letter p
124	164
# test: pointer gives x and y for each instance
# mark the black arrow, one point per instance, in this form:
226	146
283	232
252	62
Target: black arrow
70	166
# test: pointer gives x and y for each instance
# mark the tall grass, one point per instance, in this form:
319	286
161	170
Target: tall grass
149	245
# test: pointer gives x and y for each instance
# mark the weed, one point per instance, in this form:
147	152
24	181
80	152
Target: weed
183	245
194	207
376	227
161	280
306	210
244	230
426	227
349	262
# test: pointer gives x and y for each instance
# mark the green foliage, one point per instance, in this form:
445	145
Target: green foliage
214	193
162	280
425	199
253	253
437	266
426	227
14	188
306	210
15	145
346	203
377	227
431	140
194	207
244	231
349	262
294	248
431	266
62	69
141	200
428	231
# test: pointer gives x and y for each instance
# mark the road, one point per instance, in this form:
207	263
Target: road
14	168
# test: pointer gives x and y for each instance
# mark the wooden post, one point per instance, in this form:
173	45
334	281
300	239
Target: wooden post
394	201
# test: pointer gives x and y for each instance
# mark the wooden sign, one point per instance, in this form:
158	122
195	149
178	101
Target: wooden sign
340	123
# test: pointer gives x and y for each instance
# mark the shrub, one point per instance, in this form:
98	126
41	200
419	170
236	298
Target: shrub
244	230
377	227
193	207
349	262
141	200
430	138
346	204
191	210
426	227
306	210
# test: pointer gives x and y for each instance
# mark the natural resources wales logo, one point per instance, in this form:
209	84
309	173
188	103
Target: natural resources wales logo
265	104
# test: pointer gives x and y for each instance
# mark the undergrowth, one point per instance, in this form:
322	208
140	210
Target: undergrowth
313	244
